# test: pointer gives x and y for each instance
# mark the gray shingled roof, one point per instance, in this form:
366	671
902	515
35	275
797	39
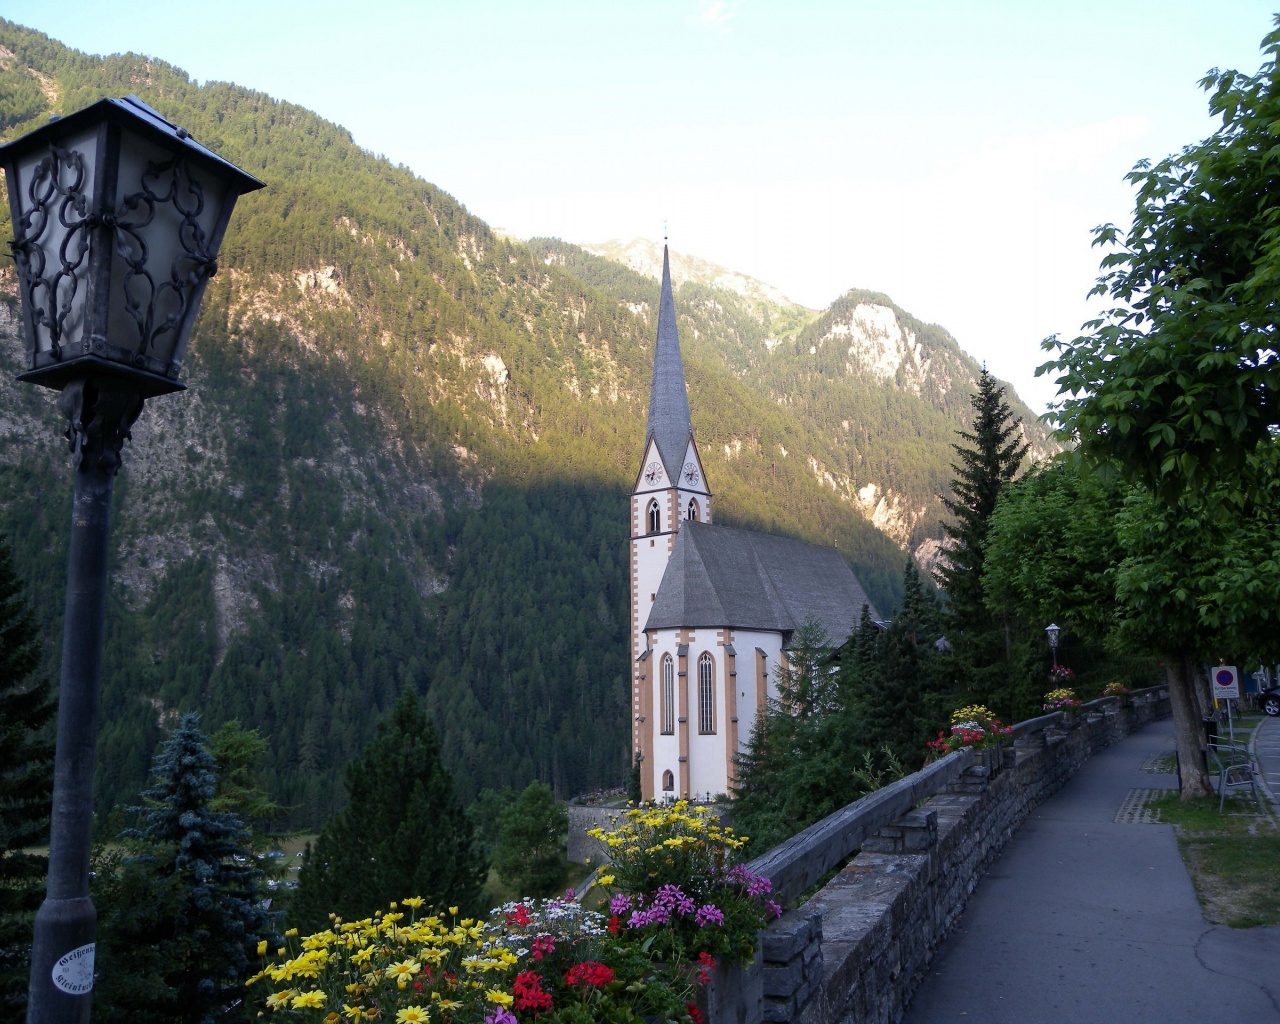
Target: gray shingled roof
669	421
720	577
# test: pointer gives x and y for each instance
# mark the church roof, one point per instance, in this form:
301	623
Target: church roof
721	577
669	422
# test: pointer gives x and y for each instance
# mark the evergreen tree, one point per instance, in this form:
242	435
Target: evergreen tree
237	752
989	459
401	834
179	919
531	842
898	676
26	783
797	767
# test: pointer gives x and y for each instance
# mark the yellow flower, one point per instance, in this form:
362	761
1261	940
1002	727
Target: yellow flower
262	948
453	911
413	901
308	1000
499	997
607	879
403	971
354	1012
292	933
279	1000
412	1015
446	1004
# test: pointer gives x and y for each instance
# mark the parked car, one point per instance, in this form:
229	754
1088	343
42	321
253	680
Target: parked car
1269	701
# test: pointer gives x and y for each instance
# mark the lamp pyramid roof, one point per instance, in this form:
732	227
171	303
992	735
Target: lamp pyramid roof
669	421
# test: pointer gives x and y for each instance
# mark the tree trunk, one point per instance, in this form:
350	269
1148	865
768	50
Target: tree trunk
1200	687
1187	728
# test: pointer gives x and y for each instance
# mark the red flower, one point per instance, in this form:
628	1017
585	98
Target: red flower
613	924
529	993
519	916
694	1013
706	964
543	945
589	972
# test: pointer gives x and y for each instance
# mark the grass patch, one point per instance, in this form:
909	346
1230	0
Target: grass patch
1233	858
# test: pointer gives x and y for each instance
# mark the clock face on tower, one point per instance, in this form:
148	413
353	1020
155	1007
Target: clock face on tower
653	474
690	473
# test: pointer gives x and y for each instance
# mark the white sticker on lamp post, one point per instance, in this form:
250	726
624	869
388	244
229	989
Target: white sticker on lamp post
73	973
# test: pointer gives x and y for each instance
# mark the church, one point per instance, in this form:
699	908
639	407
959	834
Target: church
713	609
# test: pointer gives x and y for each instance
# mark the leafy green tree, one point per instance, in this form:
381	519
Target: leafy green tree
401	834
531	842
1175	385
1052	556
26	782
1174	388
180	918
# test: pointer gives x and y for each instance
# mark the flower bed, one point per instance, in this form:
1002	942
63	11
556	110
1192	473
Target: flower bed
972	726
552	961
678	904
1061	699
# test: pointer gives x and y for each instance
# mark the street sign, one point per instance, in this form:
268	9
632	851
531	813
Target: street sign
1226	682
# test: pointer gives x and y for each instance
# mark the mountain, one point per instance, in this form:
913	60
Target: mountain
404	456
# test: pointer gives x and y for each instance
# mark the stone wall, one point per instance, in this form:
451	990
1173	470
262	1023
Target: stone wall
582	819
857	950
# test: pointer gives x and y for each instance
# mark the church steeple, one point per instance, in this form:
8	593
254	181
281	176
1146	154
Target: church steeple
669	421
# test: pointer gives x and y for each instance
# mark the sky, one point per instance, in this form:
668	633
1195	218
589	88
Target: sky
954	156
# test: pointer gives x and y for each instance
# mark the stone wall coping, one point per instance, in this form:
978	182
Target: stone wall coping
796	864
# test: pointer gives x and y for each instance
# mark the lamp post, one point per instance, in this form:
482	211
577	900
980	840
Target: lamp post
1052	631
117	219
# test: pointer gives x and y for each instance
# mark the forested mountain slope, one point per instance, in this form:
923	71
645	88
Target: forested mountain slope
403	460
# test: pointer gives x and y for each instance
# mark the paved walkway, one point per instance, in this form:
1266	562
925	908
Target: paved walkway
1089	916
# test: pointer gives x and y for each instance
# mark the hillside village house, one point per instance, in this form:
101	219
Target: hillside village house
713	609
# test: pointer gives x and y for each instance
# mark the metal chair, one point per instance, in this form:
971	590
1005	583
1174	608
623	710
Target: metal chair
1236	770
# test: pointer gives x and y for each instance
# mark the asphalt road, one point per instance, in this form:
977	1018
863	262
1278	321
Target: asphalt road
1088	919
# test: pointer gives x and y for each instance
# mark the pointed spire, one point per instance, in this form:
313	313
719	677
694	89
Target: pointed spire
669	421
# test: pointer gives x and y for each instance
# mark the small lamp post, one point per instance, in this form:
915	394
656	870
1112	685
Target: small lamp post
117	218
1052	631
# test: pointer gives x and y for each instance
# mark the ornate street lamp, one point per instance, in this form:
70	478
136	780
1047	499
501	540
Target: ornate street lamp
1052	632
117	219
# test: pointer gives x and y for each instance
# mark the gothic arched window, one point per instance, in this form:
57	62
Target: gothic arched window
692	513
668	781
706	694
668	695
655	517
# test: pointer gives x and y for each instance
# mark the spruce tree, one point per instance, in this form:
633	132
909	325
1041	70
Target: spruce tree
401	834
180	919
531	842
989	459
26	783
897	677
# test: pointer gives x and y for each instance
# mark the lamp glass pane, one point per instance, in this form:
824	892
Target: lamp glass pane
55	191
166	209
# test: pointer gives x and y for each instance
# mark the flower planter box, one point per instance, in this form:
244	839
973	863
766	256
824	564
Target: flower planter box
735	994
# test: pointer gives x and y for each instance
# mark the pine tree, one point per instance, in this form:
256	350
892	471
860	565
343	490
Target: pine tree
989	459
401	834
180	918
531	842
898	677
26	782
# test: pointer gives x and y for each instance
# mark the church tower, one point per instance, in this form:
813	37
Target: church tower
669	489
